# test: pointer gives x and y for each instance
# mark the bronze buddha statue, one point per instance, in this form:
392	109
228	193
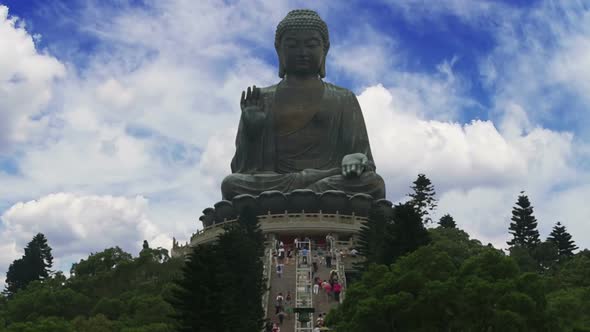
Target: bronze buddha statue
302	132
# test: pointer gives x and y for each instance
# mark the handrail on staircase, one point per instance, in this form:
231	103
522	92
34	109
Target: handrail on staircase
303	289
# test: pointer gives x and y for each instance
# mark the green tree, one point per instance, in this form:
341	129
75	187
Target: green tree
97	323
562	240
571	309
101	262
545	255
524	224
222	284
50	298
108	291
524	258
158	254
45	324
375	239
451	284
422	197
34	265
383	241
447	221
407	231
574	272
196	299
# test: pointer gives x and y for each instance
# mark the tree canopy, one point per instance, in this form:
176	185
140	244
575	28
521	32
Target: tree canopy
110	291
223	279
423	197
447	221
523	227
562	240
35	265
384	240
457	284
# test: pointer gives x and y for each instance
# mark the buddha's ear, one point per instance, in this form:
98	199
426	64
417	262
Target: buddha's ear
323	67
282	69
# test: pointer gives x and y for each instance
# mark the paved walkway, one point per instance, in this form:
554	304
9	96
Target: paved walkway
283	285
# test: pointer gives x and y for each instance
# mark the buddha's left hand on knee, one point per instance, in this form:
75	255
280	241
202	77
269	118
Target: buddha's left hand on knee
353	165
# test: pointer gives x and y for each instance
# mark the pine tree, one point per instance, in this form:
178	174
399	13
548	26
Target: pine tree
447	221
374	239
524	225
222	284
423	197
562	240
382	241
196	297
34	265
407	231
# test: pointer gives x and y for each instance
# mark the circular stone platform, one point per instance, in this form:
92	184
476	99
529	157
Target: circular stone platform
301	212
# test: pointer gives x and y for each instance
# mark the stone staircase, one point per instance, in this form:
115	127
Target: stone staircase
297	279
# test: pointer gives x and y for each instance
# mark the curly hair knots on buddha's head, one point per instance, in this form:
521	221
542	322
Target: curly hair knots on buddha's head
303	19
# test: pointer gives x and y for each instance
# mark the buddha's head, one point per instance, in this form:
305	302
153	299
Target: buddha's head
302	43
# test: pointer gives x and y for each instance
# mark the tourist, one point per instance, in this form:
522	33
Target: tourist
333	276
329	241
304	253
316	288
281	315
327	287
328	260
320	320
281	254
337	288
268	326
276	328
296	242
289	255
314	263
280	268
279	303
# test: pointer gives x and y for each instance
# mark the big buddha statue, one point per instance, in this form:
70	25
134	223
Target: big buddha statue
302	132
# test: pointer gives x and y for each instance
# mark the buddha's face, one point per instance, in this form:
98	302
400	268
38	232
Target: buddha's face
302	52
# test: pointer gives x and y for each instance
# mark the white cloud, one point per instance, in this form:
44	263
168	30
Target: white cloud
454	155
363	56
477	170
26	77
76	225
540	62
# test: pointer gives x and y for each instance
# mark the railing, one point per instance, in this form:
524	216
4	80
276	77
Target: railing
335	247
320	215
341	275
267	273
303	288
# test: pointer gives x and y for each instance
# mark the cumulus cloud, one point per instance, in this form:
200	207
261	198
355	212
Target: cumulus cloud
76	225
26	77
478	170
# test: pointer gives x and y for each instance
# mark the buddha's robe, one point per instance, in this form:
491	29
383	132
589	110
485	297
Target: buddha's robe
303	148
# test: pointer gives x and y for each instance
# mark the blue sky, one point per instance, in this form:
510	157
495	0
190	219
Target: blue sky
117	118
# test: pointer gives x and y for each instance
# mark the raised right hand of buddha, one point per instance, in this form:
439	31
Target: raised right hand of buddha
252	110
